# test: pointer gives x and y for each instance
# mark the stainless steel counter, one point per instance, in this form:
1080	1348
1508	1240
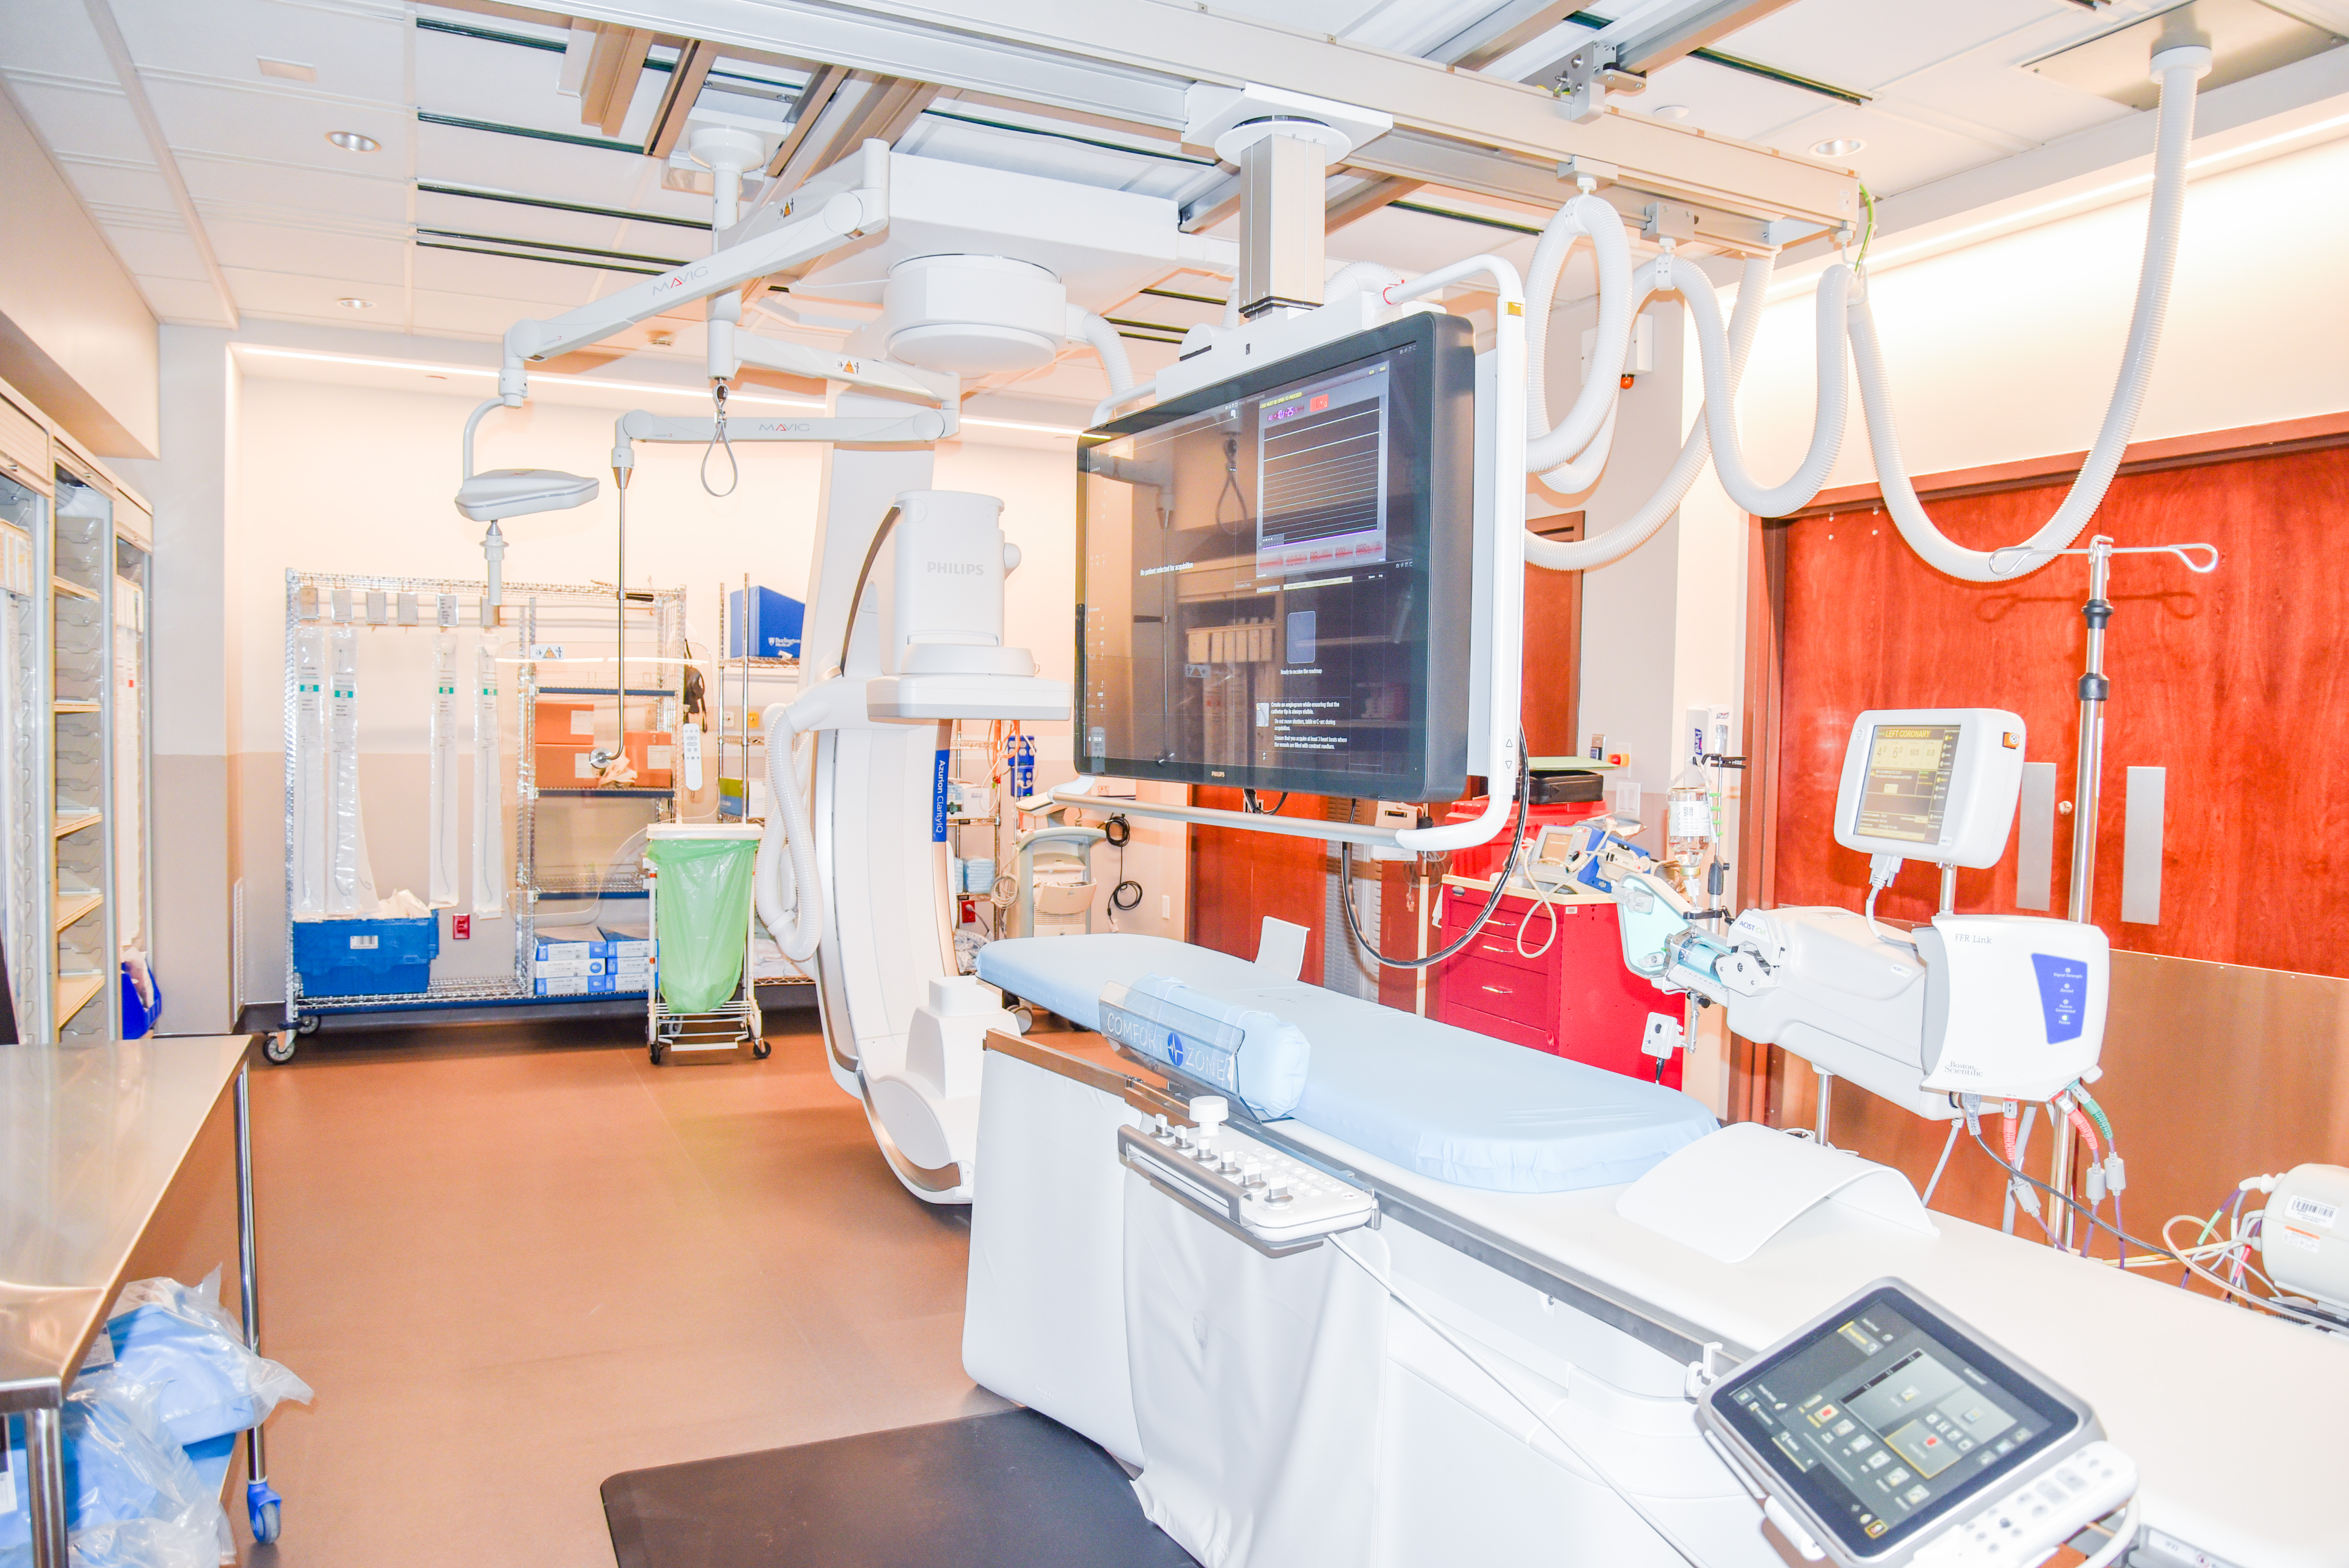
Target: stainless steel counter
92	1136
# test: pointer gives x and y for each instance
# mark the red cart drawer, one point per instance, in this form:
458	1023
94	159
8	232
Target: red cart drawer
1515	1033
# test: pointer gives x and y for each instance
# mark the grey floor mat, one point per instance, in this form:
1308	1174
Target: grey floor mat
1010	1490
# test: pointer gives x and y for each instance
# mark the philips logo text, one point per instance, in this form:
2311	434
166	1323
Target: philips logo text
958	568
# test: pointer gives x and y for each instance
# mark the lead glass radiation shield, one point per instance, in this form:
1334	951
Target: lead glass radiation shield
1274	575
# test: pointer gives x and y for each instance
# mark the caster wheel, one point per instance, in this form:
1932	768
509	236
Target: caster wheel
279	1047
656	1052
307	1025
760	1050
262	1502
1023	1019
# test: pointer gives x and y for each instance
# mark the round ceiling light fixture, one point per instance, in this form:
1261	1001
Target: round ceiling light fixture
353	141
1837	146
1670	111
351	301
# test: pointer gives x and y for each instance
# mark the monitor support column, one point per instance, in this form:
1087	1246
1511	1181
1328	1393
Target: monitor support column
1283	169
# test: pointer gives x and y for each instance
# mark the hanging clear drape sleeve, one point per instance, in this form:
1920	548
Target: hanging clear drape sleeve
443	873
309	803
489	818
350	883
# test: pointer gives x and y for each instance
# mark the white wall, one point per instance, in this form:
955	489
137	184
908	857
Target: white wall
358	480
76	336
2008	349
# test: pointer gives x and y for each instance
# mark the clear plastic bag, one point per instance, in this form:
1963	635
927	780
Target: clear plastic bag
179	1341
121	1466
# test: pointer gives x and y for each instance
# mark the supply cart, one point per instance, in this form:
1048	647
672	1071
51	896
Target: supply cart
688	1007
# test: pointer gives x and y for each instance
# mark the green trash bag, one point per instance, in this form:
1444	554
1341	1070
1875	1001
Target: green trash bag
702	911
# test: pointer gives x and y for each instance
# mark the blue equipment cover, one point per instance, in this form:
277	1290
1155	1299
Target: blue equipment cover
1456	1106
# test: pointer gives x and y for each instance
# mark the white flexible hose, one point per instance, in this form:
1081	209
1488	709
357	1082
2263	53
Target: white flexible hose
1588	555
1574	478
797	929
2176	70
1108	344
1721	396
1354	277
1548	448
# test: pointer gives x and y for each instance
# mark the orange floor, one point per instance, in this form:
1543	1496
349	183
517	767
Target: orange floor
513	1261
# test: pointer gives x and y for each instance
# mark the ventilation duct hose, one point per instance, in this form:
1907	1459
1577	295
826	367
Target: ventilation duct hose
1106	343
1721	396
797	928
1588	555
1590	420
2177	70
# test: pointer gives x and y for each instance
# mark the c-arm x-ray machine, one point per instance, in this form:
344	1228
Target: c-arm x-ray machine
977	271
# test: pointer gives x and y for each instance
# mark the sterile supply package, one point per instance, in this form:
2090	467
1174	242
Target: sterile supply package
178	1341
1247	1051
133	1498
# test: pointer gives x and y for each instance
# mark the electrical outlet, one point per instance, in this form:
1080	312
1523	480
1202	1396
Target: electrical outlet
461	927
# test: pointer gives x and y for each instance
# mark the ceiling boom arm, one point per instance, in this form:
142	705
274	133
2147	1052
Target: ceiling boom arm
851	202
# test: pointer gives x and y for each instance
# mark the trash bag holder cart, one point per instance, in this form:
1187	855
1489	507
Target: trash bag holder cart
733	1022
104	1132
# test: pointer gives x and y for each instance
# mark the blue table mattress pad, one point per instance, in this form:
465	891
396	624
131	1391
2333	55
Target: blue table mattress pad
1459	1106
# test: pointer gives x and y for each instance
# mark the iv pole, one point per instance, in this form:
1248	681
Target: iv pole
2088	777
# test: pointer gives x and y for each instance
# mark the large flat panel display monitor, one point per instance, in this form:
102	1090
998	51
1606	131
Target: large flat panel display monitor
1274	575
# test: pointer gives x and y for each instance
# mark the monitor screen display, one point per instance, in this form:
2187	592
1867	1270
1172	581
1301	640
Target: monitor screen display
1887	1418
1275	575
1906	791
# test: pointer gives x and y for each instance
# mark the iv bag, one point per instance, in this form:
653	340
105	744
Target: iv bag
488	823
309	757
350	883
442	884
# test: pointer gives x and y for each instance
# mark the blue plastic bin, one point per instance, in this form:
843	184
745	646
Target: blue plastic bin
366	957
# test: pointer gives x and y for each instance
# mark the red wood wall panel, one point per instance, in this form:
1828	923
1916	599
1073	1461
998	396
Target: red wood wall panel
1238	877
2235	682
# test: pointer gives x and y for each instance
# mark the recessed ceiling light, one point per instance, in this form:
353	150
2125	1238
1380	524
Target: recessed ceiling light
1670	111
287	70
352	142
356	303
1837	146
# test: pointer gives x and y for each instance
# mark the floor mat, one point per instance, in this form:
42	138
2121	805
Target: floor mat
1009	1489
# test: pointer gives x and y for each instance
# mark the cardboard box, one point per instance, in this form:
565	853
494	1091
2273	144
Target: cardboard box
564	767
653	754
777	633
565	721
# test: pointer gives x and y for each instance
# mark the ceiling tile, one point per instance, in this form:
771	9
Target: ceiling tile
181	299
356	54
105	183
514	220
1869	44
295	293
552	169
256	186
551	288
379	260
251	123
154	251
470	315
1899	154
75	117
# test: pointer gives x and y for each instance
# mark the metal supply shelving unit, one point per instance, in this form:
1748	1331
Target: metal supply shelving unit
521	623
